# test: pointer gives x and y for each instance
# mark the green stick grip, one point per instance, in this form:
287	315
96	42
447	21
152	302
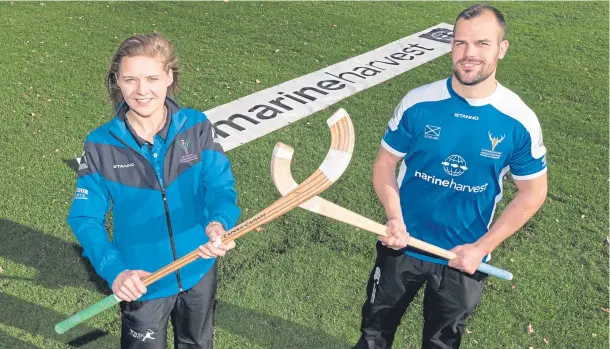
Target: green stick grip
85	314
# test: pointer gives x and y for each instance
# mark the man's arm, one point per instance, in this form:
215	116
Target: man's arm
530	197
386	188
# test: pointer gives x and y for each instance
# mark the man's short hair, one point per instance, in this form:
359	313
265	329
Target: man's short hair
476	10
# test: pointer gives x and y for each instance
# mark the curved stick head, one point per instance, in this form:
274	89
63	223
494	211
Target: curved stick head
336	161
341	147
280	168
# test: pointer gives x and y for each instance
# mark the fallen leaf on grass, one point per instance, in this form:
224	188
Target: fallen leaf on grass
468	331
606	310
259	229
530	329
546	341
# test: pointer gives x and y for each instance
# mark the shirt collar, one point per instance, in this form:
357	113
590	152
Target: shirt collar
171	106
475	102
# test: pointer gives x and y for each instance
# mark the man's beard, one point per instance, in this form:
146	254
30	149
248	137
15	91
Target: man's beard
482	75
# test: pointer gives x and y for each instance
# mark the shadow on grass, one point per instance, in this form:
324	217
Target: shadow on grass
72	164
41	321
58	263
271	331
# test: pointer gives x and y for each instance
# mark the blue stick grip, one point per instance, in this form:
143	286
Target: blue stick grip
497	272
83	315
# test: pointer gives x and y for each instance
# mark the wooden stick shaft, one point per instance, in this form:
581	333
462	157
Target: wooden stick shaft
311	187
346	216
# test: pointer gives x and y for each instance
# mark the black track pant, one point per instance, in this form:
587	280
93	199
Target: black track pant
191	313
449	297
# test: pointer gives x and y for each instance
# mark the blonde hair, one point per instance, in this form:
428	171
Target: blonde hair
152	45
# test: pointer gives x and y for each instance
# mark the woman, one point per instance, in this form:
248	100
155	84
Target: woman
169	184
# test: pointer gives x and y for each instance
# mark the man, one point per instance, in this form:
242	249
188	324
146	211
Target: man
459	137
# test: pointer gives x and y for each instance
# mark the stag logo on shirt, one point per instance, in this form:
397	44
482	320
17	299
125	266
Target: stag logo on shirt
492	153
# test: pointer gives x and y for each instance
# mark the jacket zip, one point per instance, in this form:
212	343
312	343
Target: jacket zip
171	234
169	224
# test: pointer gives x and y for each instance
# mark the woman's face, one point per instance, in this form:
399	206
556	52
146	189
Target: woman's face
143	82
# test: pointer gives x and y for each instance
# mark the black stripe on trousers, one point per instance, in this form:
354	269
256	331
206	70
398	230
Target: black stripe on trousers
449	297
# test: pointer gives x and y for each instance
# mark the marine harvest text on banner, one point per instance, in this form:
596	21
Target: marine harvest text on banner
253	116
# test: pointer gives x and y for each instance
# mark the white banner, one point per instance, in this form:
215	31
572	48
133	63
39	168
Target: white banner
263	112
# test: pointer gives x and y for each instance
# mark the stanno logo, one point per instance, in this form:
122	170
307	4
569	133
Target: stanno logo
140	336
464	116
124	166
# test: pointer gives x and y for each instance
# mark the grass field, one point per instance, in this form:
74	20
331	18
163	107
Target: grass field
300	282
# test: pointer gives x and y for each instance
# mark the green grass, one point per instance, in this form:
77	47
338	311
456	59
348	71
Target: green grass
300	282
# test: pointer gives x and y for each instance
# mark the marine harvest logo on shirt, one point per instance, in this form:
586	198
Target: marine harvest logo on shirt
184	144
454	165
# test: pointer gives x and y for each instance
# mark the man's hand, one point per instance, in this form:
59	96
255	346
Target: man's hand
398	237
128	285
468	258
215	231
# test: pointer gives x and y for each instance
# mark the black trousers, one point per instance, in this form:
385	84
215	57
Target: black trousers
191	312
449	297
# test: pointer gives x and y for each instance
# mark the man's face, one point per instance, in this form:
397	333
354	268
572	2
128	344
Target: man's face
476	48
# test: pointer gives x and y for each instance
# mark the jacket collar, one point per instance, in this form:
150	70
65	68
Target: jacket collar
120	129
